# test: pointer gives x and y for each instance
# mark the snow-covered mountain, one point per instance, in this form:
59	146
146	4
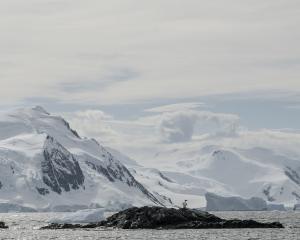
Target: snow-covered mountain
229	169
46	164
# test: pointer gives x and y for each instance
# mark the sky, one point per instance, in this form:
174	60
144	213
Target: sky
176	68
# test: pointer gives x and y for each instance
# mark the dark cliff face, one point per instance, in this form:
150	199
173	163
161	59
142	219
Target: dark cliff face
114	171
293	174
60	169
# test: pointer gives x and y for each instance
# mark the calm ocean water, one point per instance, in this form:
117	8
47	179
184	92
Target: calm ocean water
26	225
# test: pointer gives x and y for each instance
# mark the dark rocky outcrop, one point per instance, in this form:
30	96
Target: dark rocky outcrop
75	133
61	171
42	191
168	218
115	171
2	225
55	226
293	175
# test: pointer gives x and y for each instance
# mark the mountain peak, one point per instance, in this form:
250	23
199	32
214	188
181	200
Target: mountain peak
40	109
43	162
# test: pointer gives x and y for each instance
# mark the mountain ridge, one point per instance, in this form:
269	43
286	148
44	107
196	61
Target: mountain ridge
44	163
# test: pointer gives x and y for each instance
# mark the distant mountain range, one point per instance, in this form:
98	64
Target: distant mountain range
227	168
46	165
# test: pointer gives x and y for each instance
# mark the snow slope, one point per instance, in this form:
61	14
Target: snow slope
227	167
46	164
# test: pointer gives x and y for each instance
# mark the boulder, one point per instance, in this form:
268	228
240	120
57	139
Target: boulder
2	225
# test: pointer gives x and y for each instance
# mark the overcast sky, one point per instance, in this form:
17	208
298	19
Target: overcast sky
107	52
219	61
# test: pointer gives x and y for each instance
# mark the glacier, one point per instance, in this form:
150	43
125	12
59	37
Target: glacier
220	203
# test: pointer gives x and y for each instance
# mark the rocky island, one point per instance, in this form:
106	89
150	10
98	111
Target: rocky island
167	218
3	226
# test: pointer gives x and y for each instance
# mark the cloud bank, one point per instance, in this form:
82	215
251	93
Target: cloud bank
164	124
188	126
93	123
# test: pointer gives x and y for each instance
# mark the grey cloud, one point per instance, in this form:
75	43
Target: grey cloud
102	82
177	127
176	107
180	126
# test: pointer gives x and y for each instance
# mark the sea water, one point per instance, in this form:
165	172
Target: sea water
26	226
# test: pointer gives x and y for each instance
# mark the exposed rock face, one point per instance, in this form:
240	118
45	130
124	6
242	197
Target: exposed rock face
2	225
115	171
267	193
168	218
60	169
293	175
